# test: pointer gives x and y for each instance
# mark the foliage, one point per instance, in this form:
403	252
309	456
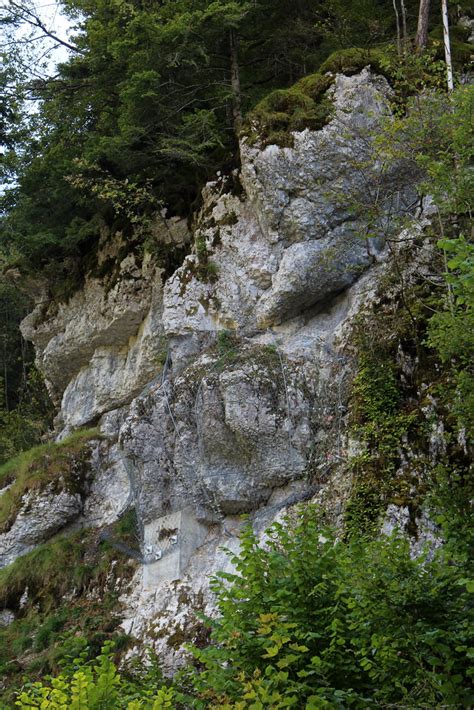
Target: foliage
65	598
143	111
97	686
304	105
449	179
284	110
47	571
451	331
310	621
25	409
379	422
361	23
433	136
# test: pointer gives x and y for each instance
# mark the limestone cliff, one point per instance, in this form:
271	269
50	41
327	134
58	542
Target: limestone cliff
222	388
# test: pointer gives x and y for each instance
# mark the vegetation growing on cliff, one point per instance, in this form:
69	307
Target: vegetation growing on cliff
25	409
65	597
146	108
61	465
149	103
310	622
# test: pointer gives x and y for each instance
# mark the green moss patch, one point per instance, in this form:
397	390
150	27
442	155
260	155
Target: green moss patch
285	110
354	59
390	405
66	463
305	105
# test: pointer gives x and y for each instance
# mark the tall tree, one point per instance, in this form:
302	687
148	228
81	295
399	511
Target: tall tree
149	103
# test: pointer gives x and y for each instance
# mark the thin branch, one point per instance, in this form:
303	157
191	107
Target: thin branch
31	18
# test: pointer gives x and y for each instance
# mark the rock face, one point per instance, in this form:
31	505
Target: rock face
101	347
221	438
222	388
40	517
308	219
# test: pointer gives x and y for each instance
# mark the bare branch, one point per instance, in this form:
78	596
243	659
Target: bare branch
29	16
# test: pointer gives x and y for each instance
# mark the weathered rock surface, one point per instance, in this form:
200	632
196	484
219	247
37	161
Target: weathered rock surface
222	388
221	437
100	348
41	515
307	219
108	494
398	519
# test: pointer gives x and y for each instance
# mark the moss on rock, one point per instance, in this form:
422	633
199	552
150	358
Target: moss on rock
304	105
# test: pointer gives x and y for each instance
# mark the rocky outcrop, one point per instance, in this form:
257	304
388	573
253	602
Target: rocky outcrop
222	388
314	218
101	347
40	517
221	437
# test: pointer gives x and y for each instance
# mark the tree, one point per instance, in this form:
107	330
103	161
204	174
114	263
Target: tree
421	38
149	105
447	44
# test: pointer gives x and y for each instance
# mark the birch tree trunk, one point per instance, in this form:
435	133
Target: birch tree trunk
447	45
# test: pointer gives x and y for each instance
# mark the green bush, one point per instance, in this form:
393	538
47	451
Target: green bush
310	621
96	686
307	620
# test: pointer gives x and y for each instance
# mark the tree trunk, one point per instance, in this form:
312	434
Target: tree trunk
422	30
235	81
397	18
447	44
404	24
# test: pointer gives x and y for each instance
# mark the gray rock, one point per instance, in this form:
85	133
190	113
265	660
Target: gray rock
311	272
7	617
108	494
200	427
98	350
312	217
221	438
42	514
428	535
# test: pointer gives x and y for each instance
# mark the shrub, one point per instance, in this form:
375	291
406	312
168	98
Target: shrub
310	621
96	686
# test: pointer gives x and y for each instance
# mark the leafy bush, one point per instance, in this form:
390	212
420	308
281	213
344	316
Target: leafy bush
310	621
96	686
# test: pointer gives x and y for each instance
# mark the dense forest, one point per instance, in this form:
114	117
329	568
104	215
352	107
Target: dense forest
153	99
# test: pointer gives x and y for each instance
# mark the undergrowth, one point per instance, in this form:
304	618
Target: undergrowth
64	595
309	621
